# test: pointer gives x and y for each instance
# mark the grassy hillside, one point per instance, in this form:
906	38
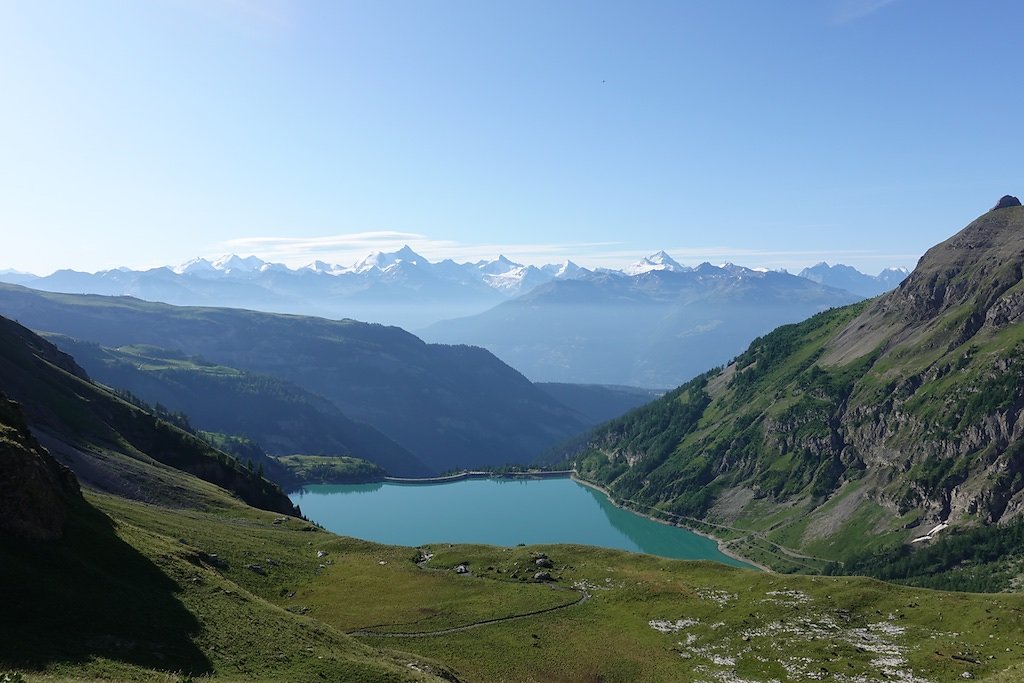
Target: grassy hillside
316	469
294	471
120	599
110	444
236	594
177	578
281	417
854	431
451	406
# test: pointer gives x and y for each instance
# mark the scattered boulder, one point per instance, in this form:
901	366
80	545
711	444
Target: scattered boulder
256	569
544	562
321	553
1006	202
542	576
213	560
462	569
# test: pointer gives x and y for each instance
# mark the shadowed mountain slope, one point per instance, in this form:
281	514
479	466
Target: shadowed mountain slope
281	417
599	402
451	406
109	444
36	491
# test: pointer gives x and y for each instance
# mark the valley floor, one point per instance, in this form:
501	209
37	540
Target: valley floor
257	596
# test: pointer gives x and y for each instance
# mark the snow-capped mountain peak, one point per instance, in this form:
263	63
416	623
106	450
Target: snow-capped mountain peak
658	261
383	260
194	266
566	270
498	266
234	263
322	267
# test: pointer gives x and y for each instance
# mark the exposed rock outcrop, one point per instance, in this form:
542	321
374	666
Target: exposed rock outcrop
1006	201
35	490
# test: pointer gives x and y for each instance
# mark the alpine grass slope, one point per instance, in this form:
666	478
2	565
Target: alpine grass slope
860	429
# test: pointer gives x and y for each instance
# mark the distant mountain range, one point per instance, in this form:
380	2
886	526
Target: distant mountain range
852	280
398	288
655	328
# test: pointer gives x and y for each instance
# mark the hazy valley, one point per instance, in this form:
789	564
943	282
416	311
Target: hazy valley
659	342
826	447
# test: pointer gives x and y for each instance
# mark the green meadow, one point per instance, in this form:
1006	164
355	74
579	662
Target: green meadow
227	592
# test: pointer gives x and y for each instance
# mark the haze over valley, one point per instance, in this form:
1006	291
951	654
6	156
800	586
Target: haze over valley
489	342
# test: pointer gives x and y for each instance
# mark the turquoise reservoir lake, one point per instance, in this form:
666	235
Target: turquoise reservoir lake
496	512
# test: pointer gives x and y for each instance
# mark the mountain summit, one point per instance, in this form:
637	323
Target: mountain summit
382	260
658	261
1006	201
970	281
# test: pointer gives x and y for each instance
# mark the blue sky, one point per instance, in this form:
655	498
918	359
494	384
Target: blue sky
766	133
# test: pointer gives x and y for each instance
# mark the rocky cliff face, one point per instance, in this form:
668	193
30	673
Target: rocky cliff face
911	405
949	343
35	490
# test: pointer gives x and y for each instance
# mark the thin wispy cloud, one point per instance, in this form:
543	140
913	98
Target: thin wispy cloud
346	249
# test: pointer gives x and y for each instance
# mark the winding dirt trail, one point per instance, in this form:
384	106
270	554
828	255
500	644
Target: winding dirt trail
583	597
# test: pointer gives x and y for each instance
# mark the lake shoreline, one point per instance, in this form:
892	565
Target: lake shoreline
297	487
481	474
725	555
722	547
